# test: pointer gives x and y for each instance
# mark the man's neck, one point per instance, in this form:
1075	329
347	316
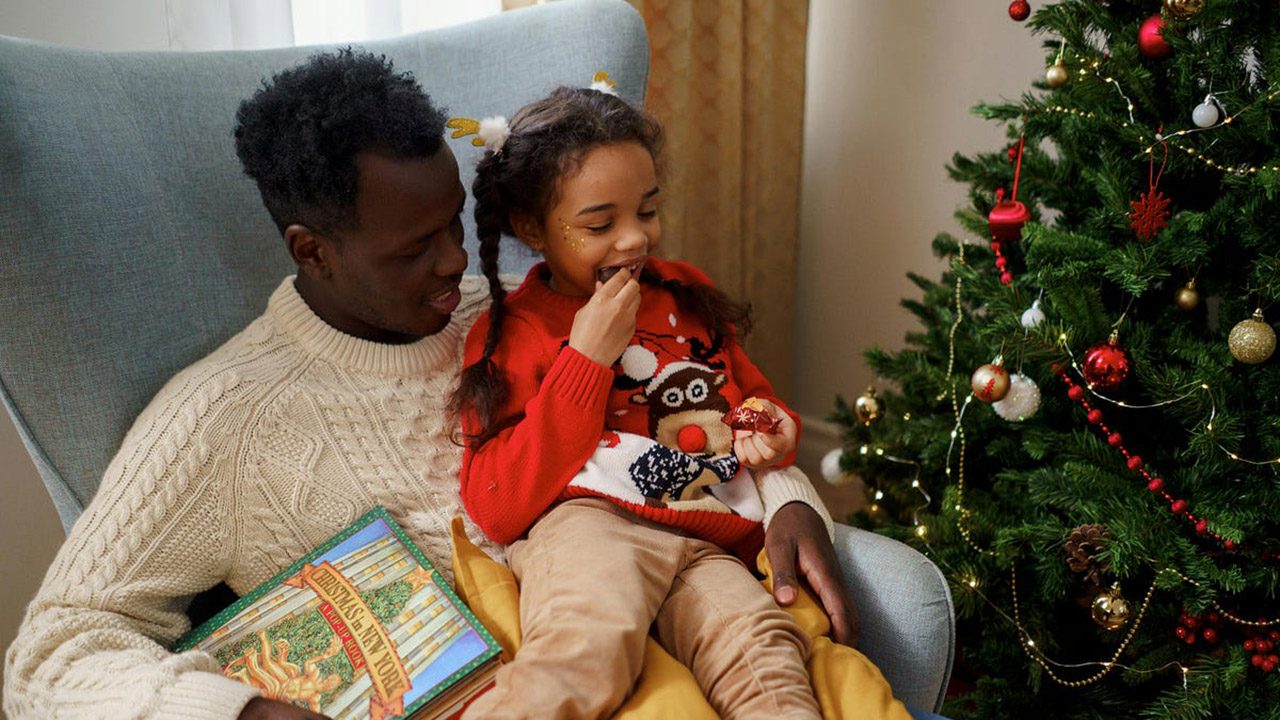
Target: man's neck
335	316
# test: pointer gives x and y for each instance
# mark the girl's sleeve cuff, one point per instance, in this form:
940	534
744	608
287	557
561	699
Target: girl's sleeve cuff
579	380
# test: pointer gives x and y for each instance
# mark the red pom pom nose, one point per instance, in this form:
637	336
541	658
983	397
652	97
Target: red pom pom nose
692	439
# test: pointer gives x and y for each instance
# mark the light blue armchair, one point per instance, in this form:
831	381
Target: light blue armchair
131	245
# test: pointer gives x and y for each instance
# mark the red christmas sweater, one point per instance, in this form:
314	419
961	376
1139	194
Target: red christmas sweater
646	433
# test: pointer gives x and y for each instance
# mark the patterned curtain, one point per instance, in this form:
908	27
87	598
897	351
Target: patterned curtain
726	80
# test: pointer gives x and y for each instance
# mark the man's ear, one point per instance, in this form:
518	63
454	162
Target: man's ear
528	230
311	251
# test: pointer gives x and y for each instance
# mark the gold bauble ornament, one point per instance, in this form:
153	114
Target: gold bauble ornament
1056	76
1252	340
1187	297
868	408
1183	9
990	382
1110	609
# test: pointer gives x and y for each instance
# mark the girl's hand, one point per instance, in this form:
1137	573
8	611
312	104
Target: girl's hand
604	326
759	450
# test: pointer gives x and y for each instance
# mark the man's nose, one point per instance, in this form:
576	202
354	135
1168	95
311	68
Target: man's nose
453	261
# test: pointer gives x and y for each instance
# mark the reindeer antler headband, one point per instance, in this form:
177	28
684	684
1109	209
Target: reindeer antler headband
491	133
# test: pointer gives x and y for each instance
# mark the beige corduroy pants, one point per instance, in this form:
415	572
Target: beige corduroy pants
594	579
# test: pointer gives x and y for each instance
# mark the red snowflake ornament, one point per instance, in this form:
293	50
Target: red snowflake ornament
1150	214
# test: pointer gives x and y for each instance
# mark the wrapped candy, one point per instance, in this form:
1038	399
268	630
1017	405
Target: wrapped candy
750	414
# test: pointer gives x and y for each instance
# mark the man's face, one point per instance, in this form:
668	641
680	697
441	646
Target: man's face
395	277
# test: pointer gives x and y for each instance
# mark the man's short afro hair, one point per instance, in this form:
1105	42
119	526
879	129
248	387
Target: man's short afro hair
299	134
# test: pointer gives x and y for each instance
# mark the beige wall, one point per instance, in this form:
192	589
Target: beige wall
889	85
888	89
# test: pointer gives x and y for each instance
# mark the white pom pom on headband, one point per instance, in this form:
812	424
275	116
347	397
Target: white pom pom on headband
601	83
491	133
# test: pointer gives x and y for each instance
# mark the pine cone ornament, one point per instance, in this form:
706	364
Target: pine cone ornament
1082	547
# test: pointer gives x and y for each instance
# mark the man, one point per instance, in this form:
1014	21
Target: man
331	402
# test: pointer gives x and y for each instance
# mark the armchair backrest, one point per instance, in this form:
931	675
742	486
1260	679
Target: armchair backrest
131	244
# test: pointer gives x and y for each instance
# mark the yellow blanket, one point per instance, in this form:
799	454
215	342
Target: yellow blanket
845	682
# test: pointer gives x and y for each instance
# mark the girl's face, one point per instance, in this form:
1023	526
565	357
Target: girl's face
606	218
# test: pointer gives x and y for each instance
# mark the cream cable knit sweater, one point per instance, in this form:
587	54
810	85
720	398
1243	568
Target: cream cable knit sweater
243	462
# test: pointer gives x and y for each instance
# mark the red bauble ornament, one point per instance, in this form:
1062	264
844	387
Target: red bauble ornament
1150	42
1106	365
1007	218
1019	10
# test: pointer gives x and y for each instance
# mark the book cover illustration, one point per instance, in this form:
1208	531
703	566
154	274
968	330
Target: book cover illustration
361	627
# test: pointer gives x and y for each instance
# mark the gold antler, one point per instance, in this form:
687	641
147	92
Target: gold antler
463	126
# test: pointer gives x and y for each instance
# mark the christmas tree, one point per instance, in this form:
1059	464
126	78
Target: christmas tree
1084	434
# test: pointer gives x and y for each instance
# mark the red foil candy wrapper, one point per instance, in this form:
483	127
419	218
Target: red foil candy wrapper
751	415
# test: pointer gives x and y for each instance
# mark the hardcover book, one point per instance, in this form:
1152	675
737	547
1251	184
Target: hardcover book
361	627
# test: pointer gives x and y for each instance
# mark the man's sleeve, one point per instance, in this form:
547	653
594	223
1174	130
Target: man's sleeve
94	641
781	485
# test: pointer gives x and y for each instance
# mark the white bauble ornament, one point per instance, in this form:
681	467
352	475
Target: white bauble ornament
1033	315
831	470
1206	113
1022	401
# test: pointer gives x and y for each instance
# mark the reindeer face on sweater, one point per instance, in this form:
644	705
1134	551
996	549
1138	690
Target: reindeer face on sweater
686	409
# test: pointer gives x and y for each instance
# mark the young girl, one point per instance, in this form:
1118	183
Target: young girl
592	403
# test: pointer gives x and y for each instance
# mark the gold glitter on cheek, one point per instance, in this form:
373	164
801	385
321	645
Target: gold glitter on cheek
575	243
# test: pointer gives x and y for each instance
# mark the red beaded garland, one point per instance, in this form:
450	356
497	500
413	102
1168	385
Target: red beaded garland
1135	463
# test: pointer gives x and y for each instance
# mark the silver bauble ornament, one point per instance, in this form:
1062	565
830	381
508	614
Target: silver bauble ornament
1206	113
1021	402
831	470
1032	316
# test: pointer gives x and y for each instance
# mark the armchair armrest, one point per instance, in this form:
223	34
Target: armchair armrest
908	621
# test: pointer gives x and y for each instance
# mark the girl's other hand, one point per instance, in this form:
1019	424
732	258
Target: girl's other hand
604	326
760	450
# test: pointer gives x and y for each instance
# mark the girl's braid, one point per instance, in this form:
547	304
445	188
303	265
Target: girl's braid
483	387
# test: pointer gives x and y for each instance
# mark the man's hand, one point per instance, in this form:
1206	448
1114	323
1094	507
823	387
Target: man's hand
261	708
760	450
797	541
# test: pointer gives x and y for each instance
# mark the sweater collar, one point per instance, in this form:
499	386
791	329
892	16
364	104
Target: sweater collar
433	352
537	285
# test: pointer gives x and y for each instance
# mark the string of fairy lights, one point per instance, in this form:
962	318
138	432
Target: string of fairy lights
1092	68
1197	389
957	445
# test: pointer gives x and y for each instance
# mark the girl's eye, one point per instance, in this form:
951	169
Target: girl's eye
598	228
647	214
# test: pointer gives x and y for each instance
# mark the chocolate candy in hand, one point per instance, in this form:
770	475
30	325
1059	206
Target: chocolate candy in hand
751	415
604	273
